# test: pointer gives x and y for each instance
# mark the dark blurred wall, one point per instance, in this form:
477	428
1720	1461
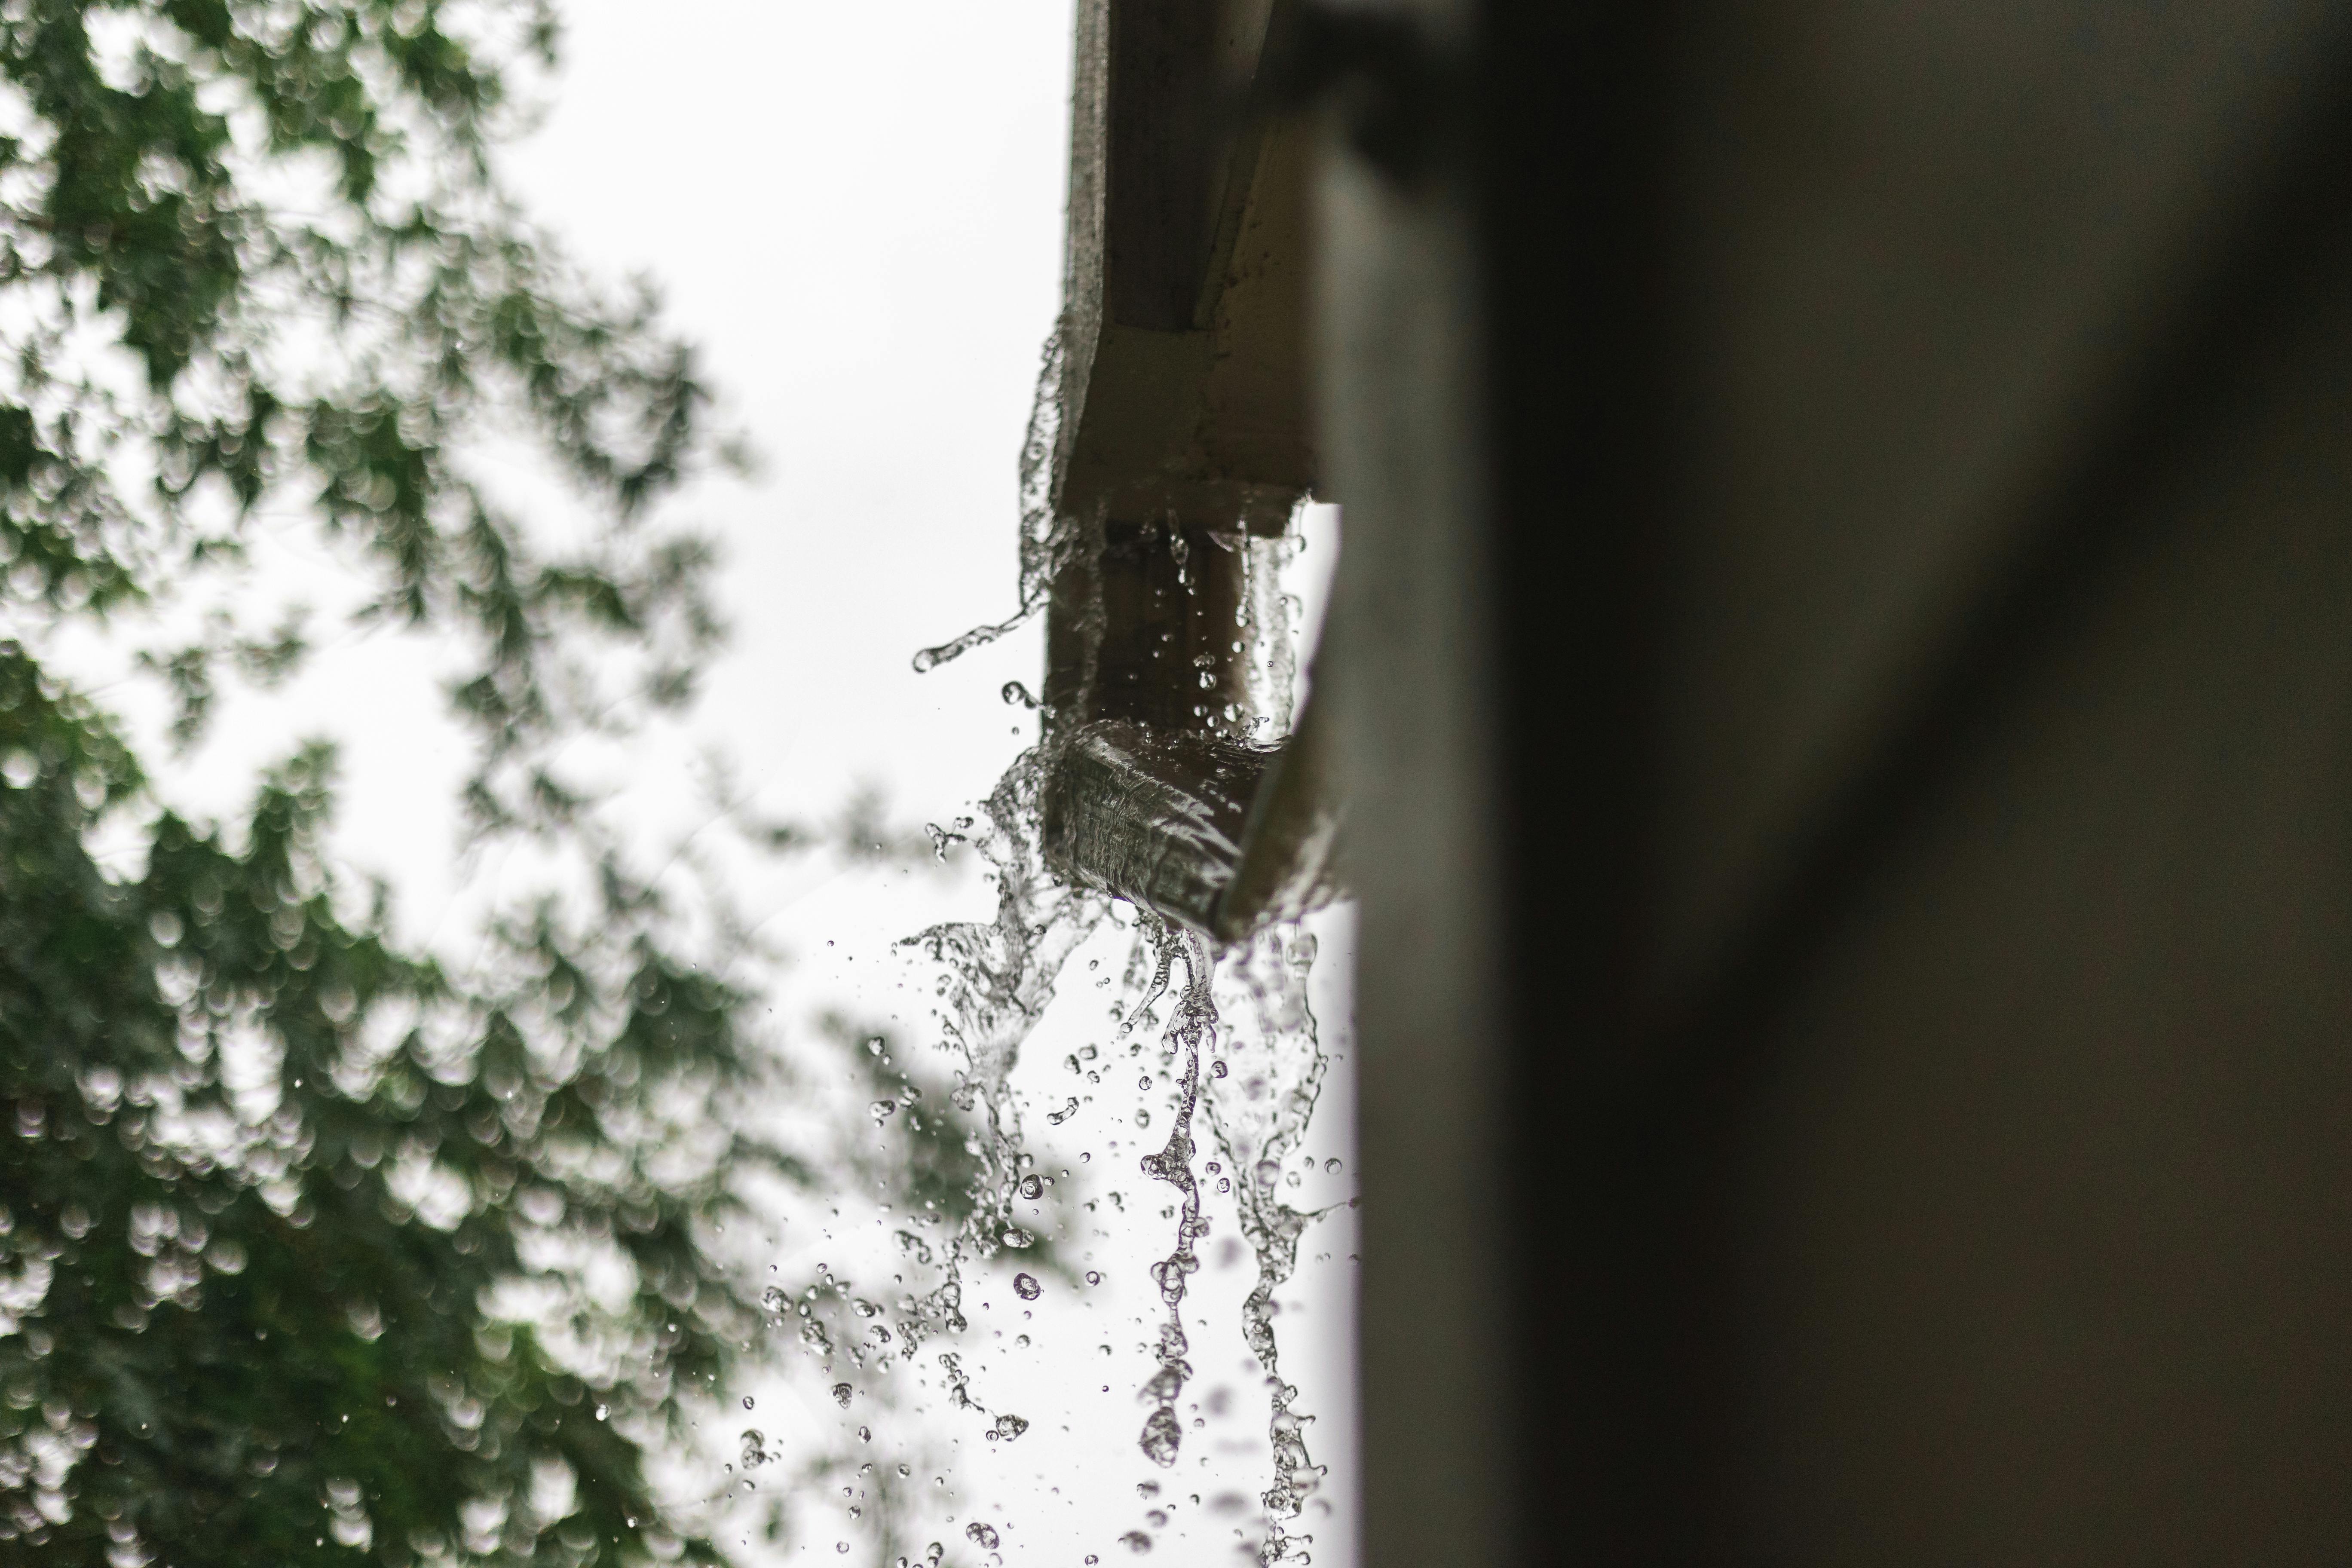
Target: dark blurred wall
1845	658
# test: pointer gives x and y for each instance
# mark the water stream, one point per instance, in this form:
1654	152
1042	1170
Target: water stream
1237	1041
1227	1041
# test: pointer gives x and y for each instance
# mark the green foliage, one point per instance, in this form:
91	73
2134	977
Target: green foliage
270	1172
312	1251
254	250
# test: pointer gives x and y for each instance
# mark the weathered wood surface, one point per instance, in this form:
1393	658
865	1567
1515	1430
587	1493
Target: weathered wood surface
1184	384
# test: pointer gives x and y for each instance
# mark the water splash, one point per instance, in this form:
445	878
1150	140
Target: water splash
1191	1027
1269	615
1258	1111
1046	539
1257	1077
996	978
1242	1050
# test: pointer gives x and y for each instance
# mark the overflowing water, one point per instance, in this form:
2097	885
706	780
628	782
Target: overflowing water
911	1339
1223	1046
1238	1043
1047	538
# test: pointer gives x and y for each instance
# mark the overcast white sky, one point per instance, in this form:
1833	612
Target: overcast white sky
857	211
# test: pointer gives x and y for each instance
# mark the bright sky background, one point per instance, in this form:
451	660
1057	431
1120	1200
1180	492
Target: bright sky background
856	211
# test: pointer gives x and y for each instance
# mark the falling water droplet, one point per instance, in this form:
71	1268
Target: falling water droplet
1033	1187
865	1435
1162	1436
1093	1278
1135	1540
841	1393
1330	1167
1216	1069
984	1534
747	1401
1016	1237
1026	1287
603	1411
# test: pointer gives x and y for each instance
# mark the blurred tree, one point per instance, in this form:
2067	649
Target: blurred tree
310	1251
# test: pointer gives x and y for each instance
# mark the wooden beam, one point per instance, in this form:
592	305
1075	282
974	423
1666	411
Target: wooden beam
1184	387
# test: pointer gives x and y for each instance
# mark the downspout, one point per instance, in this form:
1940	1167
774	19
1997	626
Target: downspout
1185	450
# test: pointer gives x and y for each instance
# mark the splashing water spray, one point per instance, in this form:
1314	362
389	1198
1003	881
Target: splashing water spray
1154	770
